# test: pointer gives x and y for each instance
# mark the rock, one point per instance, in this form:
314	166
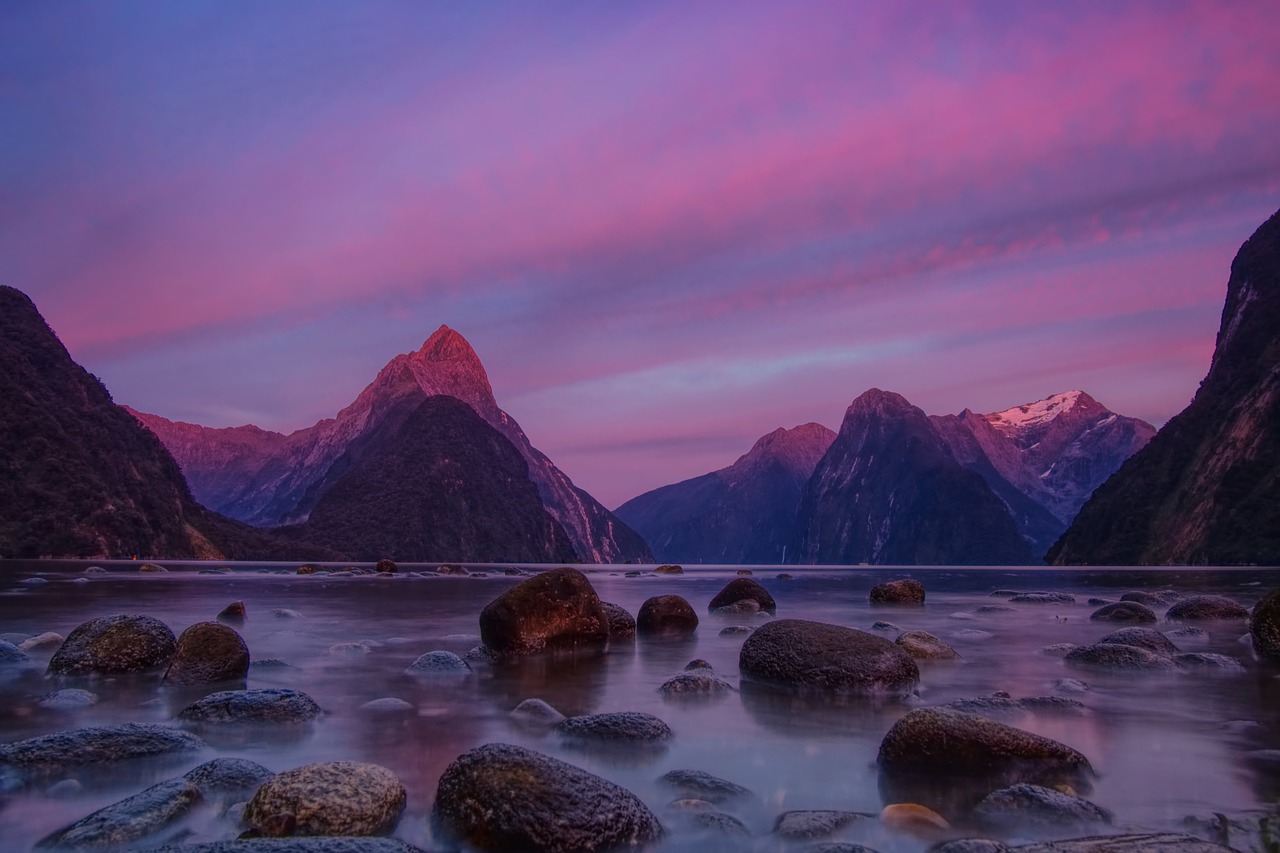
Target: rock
922	645
95	570
227	779
1209	661
735	630
270	663
65	790
80	580
34	581
1002	593
1043	598
1151	598
252	706
1117	656
1264	626
70	699
996	608
695	784
438	663
1099	602
622	626
500	797
331	798
537	714
905	591
307	569
837	847
744	573
208	653
286	613
385	566
1199	607
618	727
666	616
632	574
814	656
1003	705
783	576
151	567
233	614
743	589
887	627
11	654
1188	632
669	570
1144	638
451	569
312	844
357	648
114	645
718	823
1021	807
914	819
1124	611
1070	685
693	685
970	845
1059	650
388	705
744	607
128	820
973	634
555	610
1154	842
810	824
96	745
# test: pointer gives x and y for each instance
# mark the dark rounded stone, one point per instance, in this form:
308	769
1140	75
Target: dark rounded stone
740	589
666	615
115	645
386	566
451	569
922	645
815	656
904	591
1003	705
816	823
11	654
96	745
744	573
783	576
70	699
252	706
128	820
307	569
1144	638
1117	656
234	613
622	625
1264	627
331	798
1124	611
669	570
1209	661
1023	806
500	797
618	727
735	630
969	845
996	608
438	663
306	844
691	685
1151	598
537	714
1206	607
555	610
1043	598
696	784
152	568
208	653
227	778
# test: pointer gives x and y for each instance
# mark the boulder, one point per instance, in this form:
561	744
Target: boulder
451	569
743	589
555	610
152	568
817	657
1209	661
536	713
1144	638
716	822
500	797
1264	627
1004	705
1205	607
1043	598
252	706
735	630
385	566
696	784
307	569
227	779
739	608
128	820
669	570
1152	598
1117	656
11	654
695	685
809	824
618	727
208	653
388	705
331	798
69	699
115	645
1153	842
96	745
922	645
905	591
1124	611
666	616
438	663
41	643
622	625
233	614
1021	807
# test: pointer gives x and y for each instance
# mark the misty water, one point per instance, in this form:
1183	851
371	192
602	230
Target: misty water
1166	746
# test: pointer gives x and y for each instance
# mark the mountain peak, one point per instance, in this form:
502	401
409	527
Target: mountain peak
1043	411
798	448
446	344
876	400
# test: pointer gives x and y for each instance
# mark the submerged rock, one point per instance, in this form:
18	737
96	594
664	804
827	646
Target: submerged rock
1209	661
669	570
388	705
622	626
11	654
331	798
208	653
227	779
46	642
735	630
297	845
1124	611
500	797
1020	807
1117	656
1144	638
386	566
619	727
554	610
1151	598
1153	842
537	714
922	645
438	663
1043	598
1206	607
743	589
96	745
667	616
70	699
1264	627
695	784
811	824
690	685
115	645
814	656
252	706
904	591
233	614
127	821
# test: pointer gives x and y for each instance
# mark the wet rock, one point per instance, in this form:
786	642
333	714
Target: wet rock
1099	602
887	627
922	645
451	569
811	824
1144	638
736	630
536	713
438	663
1188	633
115	645
1043	598
1003	705
1059	650
669	570
837	847
622	626
499	797
1117	656
1154	842
716	822
1204	607
286	613
11	654
95	570
973	634
1002	593
914	819
252	706
904	591
357	648
698	664
1070	685
1209	661
34	581
386	566
618	727
783	576
739	608
96	745
297	845
1124	611
269	664
331	798
388	705
65	790
40	643
127	821
233	614
1017	808
744	573
996	608
969	845
743	589
307	569
694	685
666	616
551	611
70	699
208	653
1151	598
225	780
695	784
152	568
1264	626
814	656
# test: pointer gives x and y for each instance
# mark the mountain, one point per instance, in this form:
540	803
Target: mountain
1203	491
82	477
270	479
890	491
744	513
432	479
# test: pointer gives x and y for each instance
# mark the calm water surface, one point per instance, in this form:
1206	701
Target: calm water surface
1166	746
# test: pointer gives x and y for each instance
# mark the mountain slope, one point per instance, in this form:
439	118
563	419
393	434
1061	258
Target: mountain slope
1203	491
889	491
744	513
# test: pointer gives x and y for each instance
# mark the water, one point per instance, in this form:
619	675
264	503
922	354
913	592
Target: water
1166	746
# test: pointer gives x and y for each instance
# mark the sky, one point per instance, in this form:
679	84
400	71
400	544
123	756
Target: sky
667	228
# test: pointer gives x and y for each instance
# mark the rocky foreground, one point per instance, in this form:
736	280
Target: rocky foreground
955	778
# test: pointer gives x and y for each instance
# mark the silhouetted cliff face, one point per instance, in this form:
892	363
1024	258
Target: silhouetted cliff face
744	513
269	479
890	491
81	477
433	481
1204	490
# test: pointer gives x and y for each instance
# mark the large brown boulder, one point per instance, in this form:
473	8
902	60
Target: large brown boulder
904	591
555	610
622	625
666	615
1206	607
1264	626
208	653
815	656
115	645
1124	611
499	797
740	589
330	798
